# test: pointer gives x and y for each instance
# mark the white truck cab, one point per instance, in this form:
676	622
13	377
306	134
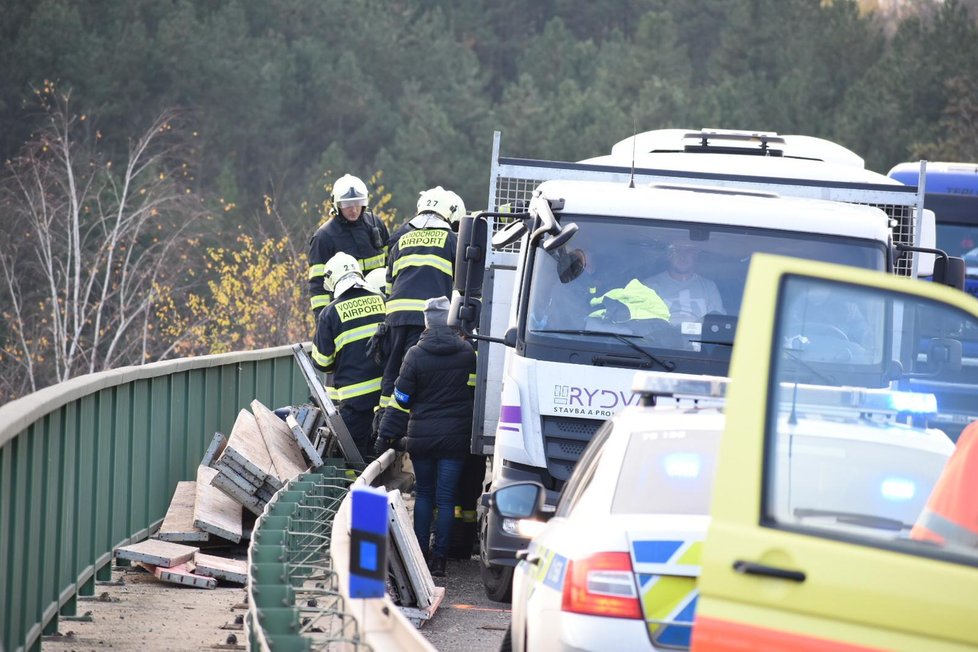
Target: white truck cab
574	242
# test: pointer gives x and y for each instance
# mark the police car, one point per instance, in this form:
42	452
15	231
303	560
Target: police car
617	564
830	452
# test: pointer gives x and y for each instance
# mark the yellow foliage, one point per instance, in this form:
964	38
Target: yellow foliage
255	299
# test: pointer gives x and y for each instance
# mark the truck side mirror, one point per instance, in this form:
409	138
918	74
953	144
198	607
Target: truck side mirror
465	313
950	271
518	500
944	354
470	255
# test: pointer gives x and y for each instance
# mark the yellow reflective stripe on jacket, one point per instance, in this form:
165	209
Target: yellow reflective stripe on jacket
423	260
367	264
471	382
397	406
322	360
397	305
384	401
317	270
354	335
334	395
359	389
319	301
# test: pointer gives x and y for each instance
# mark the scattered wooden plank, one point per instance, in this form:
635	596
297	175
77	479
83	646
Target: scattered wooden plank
248	446
303	441
214	511
157	553
231	570
282	447
252	503
215	449
180	575
178	524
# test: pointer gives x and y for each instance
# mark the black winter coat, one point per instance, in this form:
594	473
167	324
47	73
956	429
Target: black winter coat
365	240
433	384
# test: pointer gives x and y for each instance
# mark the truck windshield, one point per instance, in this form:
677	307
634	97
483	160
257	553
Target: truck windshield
674	288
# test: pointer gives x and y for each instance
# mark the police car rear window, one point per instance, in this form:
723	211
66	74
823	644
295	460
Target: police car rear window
667	472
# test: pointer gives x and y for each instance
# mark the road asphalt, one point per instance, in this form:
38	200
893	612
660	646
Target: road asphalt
466	621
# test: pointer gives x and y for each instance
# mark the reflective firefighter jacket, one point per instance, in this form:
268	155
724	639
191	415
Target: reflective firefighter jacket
340	346
365	240
420	267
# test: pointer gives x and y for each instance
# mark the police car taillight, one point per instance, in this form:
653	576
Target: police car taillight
602	585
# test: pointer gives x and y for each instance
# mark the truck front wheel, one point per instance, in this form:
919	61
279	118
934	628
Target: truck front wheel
498	581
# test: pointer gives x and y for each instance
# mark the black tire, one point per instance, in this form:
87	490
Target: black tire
497	581
507	643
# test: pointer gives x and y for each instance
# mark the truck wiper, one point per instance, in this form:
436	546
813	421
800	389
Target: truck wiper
668	365
824	378
854	518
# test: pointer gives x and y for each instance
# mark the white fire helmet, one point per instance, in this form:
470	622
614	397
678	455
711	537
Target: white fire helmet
342	273
443	202
349	191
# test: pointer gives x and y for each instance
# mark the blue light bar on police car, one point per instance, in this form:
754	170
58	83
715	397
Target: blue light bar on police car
658	383
858	399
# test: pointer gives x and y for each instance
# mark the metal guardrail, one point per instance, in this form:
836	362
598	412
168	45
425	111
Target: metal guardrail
90	464
380	622
298	571
294	601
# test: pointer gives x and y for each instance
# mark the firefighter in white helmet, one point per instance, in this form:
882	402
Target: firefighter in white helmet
420	266
377	279
352	229
343	330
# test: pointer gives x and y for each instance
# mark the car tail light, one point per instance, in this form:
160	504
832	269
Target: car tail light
601	585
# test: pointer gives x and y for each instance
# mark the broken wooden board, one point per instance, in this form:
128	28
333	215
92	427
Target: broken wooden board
214	511
299	435
252	503
231	570
178	524
215	449
157	553
282	447
180	575
248	446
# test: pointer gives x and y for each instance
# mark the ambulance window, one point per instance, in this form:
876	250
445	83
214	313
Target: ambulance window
872	460
667	472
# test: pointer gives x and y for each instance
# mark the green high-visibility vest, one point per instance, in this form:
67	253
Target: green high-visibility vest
642	302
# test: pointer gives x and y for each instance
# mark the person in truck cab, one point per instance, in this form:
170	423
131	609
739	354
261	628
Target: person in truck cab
689	296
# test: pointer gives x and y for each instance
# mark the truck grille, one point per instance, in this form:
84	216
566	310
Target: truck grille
564	439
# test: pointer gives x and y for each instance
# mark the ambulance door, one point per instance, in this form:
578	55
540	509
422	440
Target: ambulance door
826	465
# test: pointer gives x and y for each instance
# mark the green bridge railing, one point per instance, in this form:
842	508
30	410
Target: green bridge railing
90	464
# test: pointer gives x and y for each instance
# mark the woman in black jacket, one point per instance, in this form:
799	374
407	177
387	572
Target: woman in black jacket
433	384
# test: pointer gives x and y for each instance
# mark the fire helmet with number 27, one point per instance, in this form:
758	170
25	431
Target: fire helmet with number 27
443	202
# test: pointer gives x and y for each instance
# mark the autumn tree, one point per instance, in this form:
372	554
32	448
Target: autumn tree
253	293
87	239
